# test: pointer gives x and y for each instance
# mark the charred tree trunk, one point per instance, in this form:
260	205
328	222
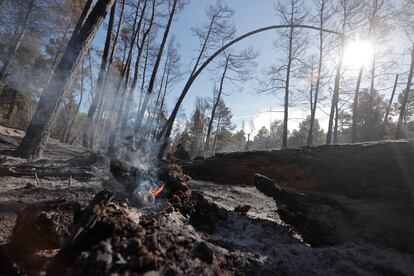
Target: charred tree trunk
287	82
103	101
355	106
312	101
318	77
162	103
335	137
127	70
388	110
151	83
116	110
85	12
358	87
403	108
371	135
160	91
213	148
137	65
39	128
335	98
216	103
334	102
144	76
88	127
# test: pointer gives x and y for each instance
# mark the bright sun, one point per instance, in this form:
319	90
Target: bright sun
357	53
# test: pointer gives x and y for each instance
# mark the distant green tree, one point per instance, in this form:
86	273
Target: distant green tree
299	136
276	134
371	110
237	142
262	139
369	125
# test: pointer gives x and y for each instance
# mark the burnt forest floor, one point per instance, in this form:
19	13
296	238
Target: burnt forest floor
256	242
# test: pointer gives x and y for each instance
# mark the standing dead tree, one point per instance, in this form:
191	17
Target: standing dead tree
105	89
42	122
122	82
348	10
388	110
88	127
173	74
141	46
324	15
292	13
406	94
236	68
406	20
172	11
375	33
293	44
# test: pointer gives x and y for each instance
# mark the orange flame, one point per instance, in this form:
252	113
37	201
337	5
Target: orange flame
157	191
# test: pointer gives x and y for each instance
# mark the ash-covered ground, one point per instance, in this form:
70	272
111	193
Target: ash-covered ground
216	229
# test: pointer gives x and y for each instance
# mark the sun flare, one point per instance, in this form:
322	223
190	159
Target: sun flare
357	53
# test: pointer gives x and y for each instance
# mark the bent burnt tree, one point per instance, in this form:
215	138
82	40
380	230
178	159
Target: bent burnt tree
168	126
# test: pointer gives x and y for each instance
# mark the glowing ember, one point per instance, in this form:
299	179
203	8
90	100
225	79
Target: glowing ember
157	191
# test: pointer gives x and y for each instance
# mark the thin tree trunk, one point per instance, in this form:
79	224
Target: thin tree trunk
335	138
103	102
399	133
155	68
335	98
371	128
144	76
313	99
75	114
287	82
334	102
318	78
39	128
121	86
162	104
91	73
163	78
141	47
355	106
137	65
88	126
387	112
137	28
213	110
213	148
357	90
18	40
